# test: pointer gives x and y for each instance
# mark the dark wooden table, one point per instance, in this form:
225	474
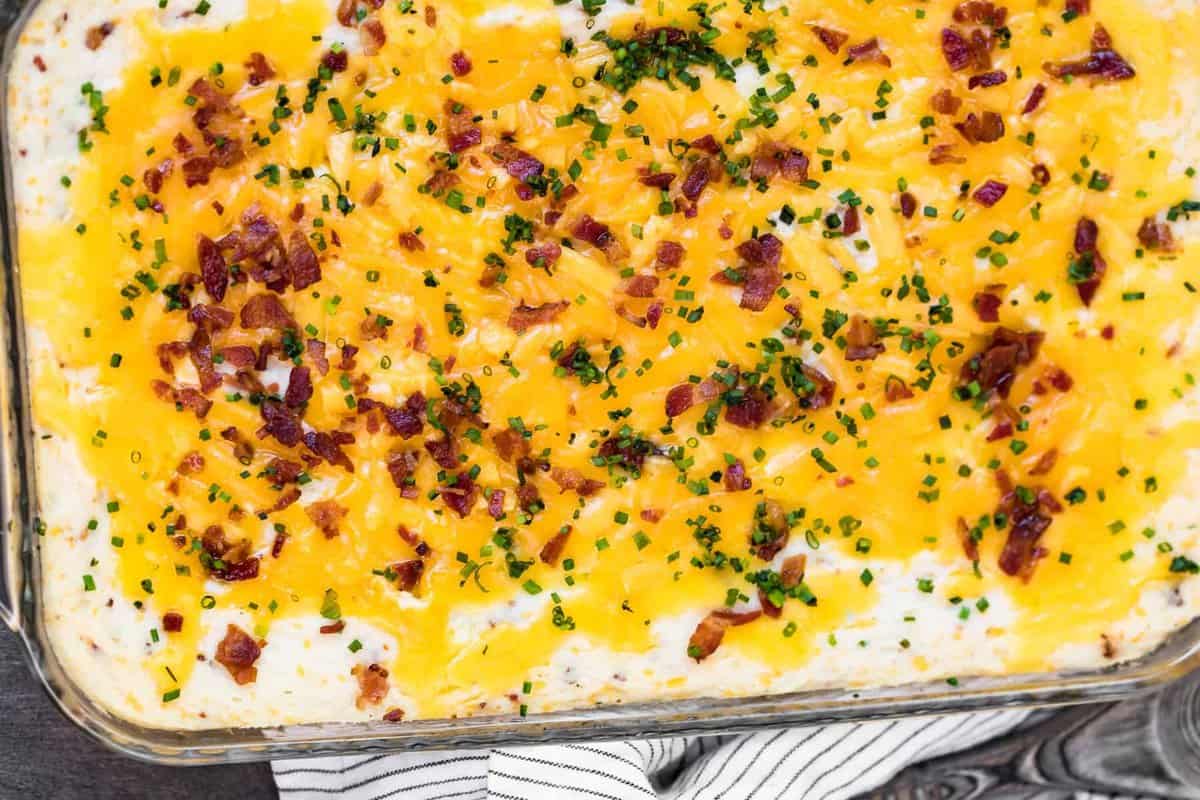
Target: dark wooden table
1147	747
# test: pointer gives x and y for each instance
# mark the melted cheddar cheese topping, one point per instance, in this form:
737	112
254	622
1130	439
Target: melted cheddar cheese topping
906	460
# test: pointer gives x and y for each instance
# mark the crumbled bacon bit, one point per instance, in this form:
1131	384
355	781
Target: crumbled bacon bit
995	368
641	285
333	627
985	80
408	420
1041	174
1027	523
668	255
1102	63
326	515
97	34
155	177
408	574
258	69
955	49
751	410
280	423
711	631
461	131
574	480
329	447
410	242
1089	266
299	388
1078	8
657	180
553	548
185	397
40	63
945	102
372	35
862	340
599	236
372	685
237	652
1155	235
460	65
336	60
460	496
987	303
524	317
990	193
735	479
172	622
401	466
944	154
895	389
266	311
212	268
191	463
430	17
832	39
868	52
517	163
985	128
791	572
1036	95
544	255
679	399
703	172
908	205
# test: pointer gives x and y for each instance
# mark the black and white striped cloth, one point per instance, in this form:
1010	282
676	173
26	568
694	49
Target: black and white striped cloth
819	763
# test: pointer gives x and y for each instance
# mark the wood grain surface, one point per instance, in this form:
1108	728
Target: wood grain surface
1147	747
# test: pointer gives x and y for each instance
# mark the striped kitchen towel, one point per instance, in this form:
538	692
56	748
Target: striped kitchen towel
818	763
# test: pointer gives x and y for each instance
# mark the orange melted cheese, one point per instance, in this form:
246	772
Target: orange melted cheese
887	469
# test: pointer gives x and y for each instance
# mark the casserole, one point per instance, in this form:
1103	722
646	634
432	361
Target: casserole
677	715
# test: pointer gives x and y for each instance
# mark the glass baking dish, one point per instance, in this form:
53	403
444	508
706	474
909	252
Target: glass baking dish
21	606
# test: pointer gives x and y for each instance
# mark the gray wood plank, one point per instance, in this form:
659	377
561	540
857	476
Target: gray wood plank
42	755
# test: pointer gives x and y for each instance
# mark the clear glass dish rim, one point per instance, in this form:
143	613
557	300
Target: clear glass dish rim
21	604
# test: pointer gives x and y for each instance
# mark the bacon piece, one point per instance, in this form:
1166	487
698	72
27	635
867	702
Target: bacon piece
280	423
955	49
1041	174
990	193
401	466
862	340
329	447
196	171
945	102
299	388
553	548
302	261
1088	268
316	353
987	303
372	685
658	180
706	143
155	177
461	131
772	158
172	622
791	572
668	255
185	397
908	205
641	285
895	390
762	255
574	480
850	221
944	154
679	399
97	34
524	317
1036	95
512	445
995	368
244	570
832	39
408	420
711	631
495	504
985	80
867	52
1155	235
599	236
1102	64
443	451
460	496
460	65
544	255
237	652
266	311
326	515
372	35
212	268
735	478
408	574
258	69
751	410
1045	462
982	129
517	162
701	173
1021	550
